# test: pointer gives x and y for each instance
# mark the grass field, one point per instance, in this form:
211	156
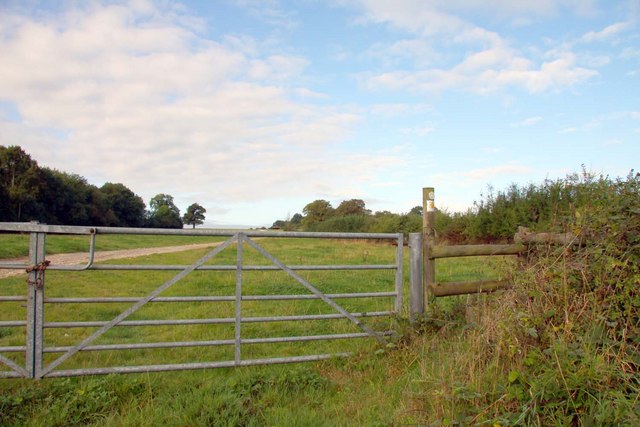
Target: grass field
376	386
17	245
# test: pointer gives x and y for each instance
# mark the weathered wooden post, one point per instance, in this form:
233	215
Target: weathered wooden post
428	241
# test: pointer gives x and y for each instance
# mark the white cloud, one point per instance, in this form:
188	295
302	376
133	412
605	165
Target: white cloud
308	93
421	131
270	12
604	120
630	53
421	51
392	110
595	61
570	129
141	98
489	64
527	122
607	33
486	72
438	16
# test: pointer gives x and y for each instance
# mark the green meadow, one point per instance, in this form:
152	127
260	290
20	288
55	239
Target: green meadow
17	245
374	386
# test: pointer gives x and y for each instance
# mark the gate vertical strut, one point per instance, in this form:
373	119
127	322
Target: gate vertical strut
239	254
35	305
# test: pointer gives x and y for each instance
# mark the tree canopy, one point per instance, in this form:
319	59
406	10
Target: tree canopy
352	207
126	209
21	182
317	211
194	215
163	213
29	192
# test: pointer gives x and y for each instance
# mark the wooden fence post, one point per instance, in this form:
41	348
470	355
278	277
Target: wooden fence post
428	241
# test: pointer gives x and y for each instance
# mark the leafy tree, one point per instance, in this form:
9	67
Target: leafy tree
296	219
76	192
194	215
21	182
416	210
317	211
163	212
278	224
352	207
125	208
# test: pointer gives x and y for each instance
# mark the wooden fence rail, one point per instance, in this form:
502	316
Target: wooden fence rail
424	253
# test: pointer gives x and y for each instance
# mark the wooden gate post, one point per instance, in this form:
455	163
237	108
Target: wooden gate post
428	241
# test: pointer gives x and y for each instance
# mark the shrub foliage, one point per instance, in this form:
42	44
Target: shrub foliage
562	347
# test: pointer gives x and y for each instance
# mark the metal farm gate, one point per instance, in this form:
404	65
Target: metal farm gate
42	360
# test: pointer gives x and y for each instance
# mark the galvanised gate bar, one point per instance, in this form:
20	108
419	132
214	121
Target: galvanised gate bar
36	302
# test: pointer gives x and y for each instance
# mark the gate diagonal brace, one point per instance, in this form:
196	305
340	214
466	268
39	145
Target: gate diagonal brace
13	365
137	306
316	291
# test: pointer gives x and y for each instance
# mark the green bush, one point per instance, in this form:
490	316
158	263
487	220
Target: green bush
348	224
563	346
574	316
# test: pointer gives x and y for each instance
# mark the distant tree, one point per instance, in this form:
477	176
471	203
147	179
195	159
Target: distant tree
69	199
21	182
77	193
416	210
316	211
352	207
279	224
125	208
296	219
163	213
194	215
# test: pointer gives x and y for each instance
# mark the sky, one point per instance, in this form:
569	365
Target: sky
254	108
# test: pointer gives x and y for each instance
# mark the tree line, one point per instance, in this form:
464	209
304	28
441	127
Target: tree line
495	217
351	216
29	192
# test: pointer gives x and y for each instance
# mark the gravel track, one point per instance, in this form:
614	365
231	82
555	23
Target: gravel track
80	258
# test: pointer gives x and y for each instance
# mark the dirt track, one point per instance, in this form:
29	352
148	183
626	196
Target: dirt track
80	258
